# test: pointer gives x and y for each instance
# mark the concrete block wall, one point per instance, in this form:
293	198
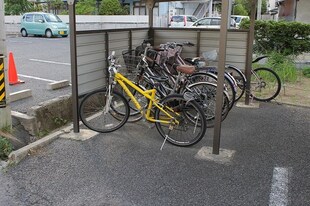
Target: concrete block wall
50	115
95	22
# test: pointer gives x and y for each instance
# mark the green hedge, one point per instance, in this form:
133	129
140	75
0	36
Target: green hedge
286	38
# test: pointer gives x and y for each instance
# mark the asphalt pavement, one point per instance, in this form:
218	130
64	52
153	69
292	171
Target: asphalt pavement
269	165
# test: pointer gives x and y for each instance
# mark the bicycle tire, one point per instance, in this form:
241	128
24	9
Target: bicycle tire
205	96
239	78
265	84
179	134
92	111
212	77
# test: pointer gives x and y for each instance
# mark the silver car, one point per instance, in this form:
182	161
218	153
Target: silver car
212	23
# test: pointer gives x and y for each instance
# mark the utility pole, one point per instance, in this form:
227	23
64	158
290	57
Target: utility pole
5	110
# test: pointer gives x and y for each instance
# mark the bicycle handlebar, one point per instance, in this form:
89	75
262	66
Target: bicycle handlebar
175	44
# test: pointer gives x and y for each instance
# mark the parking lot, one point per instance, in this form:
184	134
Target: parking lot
39	61
268	166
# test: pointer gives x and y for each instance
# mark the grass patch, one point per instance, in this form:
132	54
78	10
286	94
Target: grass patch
284	66
5	148
306	72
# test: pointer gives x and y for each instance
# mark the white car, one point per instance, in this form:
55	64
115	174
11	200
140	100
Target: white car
239	19
182	20
211	23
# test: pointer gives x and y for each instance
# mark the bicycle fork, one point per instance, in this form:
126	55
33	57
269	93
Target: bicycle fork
108	100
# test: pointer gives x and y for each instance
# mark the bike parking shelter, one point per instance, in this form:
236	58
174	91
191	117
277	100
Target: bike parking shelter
90	50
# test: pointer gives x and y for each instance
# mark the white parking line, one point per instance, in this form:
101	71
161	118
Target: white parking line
279	188
37	78
49	62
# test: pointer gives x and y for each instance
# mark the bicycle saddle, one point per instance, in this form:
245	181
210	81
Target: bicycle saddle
186	69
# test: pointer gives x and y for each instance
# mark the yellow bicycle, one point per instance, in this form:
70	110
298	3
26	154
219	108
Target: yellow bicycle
178	118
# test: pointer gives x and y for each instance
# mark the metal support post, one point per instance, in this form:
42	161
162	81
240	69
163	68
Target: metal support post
220	80
248	63
74	81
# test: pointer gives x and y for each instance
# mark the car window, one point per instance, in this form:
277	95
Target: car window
38	17
216	22
177	18
191	19
204	22
52	18
237	19
29	18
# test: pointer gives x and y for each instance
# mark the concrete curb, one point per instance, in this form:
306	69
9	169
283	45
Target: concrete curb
291	104
16	156
58	85
20	95
28	122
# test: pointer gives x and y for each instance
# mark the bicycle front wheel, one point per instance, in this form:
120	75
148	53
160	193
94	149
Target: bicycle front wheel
188	125
265	84
96	117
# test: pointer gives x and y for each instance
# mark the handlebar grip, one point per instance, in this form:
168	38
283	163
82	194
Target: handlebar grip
190	44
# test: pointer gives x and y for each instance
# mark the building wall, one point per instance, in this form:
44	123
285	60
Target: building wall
303	14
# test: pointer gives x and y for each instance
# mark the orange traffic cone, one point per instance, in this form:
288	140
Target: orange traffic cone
13	79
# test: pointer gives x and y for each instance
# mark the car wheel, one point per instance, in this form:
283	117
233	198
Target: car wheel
64	35
48	33
24	33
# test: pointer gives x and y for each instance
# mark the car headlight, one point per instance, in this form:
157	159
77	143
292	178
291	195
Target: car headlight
54	27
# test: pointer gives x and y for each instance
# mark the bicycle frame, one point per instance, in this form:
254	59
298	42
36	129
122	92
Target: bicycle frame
149	94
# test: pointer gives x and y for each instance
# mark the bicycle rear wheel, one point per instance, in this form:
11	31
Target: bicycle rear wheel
211	77
265	84
205	95
93	111
239	78
191	126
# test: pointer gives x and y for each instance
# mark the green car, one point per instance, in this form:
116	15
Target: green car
46	24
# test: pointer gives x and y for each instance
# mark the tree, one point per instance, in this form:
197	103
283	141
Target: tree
54	5
17	7
246	4
240	10
86	7
111	7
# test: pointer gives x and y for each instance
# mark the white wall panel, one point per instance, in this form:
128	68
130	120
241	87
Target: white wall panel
91	49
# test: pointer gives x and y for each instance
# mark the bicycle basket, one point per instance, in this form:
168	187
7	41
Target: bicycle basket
130	59
210	55
152	54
